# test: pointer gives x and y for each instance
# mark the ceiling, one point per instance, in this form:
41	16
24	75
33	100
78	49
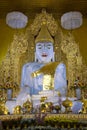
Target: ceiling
30	7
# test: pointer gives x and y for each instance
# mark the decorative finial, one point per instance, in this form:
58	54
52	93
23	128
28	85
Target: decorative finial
44	11
44	35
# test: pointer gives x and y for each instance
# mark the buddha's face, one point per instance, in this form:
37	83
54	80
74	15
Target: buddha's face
44	52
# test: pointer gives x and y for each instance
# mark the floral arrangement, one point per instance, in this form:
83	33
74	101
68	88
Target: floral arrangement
40	118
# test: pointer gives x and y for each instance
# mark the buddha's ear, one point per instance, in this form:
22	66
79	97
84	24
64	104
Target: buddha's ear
53	59
35	57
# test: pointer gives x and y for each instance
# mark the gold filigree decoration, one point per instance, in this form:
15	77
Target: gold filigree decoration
19	44
74	58
68	45
42	18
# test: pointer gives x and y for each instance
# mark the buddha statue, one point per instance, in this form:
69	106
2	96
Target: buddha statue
44	73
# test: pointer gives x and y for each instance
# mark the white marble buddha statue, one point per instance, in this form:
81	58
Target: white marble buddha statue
44	73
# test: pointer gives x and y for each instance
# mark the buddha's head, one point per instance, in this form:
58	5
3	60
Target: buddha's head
44	46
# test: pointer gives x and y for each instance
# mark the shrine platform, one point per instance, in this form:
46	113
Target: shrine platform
44	121
27	116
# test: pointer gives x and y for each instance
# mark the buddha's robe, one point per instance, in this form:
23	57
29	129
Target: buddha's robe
38	76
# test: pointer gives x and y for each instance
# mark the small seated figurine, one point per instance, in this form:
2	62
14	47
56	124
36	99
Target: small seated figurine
44	73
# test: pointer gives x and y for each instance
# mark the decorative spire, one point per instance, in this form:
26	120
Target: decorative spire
44	35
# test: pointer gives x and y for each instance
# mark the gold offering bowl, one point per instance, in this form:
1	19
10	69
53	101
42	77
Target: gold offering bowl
43	99
3	108
67	104
17	110
27	106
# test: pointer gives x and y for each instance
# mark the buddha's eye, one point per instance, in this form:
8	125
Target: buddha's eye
39	46
49	46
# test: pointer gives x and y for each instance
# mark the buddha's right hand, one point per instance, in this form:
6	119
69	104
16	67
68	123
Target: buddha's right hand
33	74
36	73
